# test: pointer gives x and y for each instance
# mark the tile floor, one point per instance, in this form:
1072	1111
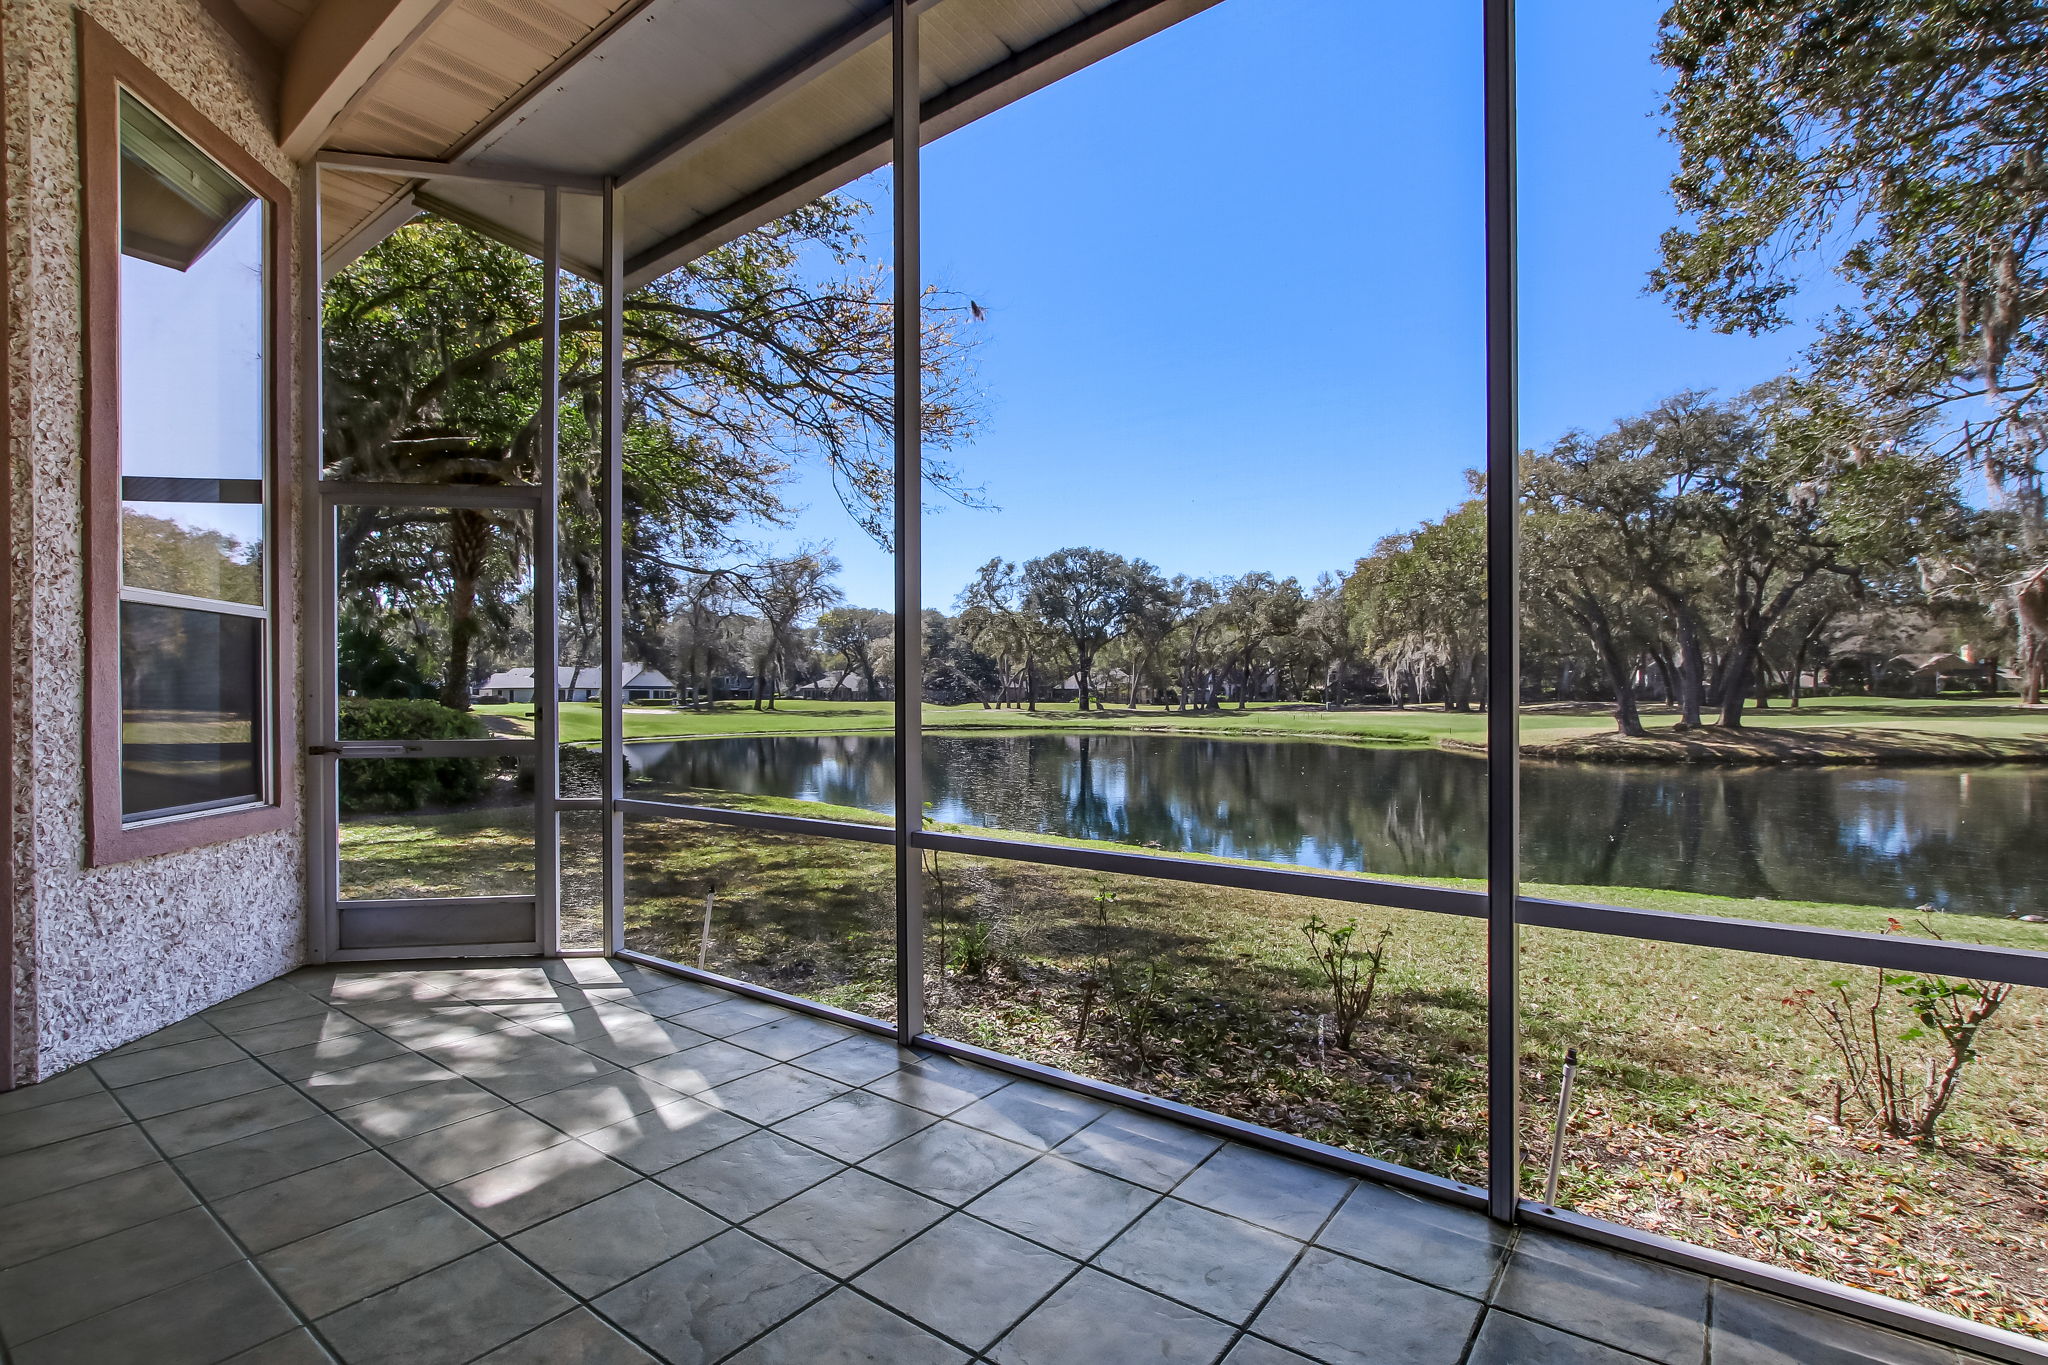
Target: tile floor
583	1161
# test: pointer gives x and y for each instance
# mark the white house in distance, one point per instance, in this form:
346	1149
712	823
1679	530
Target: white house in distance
515	685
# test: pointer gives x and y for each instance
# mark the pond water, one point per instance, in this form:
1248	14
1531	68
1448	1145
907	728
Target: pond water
1963	840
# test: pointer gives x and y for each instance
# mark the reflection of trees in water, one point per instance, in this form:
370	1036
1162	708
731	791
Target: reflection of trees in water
1898	838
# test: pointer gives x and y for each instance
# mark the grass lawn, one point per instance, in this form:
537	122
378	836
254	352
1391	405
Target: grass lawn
2004	727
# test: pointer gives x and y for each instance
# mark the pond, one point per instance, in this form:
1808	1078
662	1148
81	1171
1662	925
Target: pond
1963	840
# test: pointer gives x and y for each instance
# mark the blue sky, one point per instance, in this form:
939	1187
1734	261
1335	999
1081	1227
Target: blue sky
1232	278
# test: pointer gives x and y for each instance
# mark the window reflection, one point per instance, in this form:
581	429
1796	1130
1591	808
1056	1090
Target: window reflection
194	411
191	714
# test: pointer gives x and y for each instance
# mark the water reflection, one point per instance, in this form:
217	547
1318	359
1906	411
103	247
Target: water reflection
1962	840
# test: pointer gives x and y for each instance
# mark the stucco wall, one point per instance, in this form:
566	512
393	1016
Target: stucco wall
106	954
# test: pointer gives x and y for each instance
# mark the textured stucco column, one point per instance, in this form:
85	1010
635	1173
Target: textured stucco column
104	955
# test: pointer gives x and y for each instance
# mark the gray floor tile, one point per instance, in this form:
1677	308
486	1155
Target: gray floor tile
293	1348
729	1016
578	1338
209	1125
59	1166
460	1150
679	997
749	1175
190	1089
184	1031
81	1213
48	1123
333	1054
197	1322
69	1085
1349	1313
361	1257
1139	1148
1273	1191
419	1110
512	980
791	1037
1456	1248
599	1102
1505	1339
939	1085
713	1299
353	1085
967	1280
527	1011
645	980
1204	1259
672	1133
700	1068
78	1282
855	1125
1252	1351
284	1211
849	1221
1637	1305
1067	1207
308	1030
1761	1329
610	1240
846	1329
949	1162
446	1316
268	1154
621	1034
237	1016
438	1027
532	1188
1095	1320
521	1064
856	1061
773	1095
1035	1115
385	987
133	1068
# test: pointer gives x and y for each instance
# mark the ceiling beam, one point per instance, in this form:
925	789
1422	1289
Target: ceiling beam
805	65
342	47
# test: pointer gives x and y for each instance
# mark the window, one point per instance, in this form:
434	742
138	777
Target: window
186	243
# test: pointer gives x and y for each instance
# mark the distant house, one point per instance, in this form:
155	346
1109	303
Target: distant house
515	685
833	685
1925	675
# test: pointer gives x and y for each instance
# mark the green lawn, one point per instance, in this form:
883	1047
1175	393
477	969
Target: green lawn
1983	718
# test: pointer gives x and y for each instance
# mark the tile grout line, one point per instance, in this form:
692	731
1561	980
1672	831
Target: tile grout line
494	1239
305	1323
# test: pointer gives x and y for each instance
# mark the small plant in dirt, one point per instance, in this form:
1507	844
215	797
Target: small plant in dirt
1136	1006
976	948
1904	1079
1350	972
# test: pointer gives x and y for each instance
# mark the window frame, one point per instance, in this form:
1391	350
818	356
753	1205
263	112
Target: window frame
106	70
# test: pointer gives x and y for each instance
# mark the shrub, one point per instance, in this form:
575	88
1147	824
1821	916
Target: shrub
1350	972
384	784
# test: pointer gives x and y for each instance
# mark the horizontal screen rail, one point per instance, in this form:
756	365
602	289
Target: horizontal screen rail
1851	947
1848	947
504	496
1441	900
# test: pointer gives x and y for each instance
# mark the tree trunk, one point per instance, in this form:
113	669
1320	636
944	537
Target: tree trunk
469	538
1691	680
